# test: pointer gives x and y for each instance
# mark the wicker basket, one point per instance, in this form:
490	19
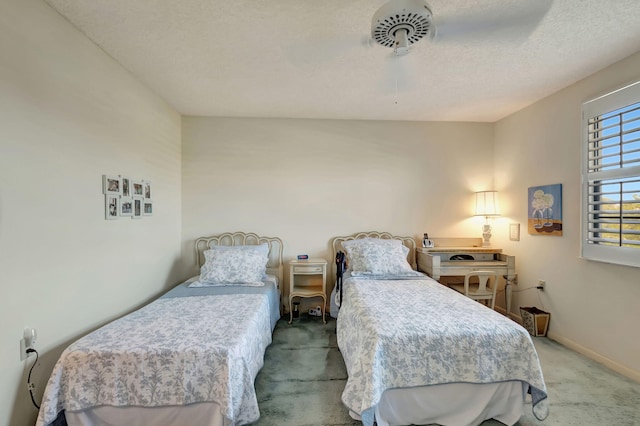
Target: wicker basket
535	321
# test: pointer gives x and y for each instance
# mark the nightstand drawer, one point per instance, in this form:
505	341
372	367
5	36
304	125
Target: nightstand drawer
308	269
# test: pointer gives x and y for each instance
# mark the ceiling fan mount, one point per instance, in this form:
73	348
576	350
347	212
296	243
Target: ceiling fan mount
400	23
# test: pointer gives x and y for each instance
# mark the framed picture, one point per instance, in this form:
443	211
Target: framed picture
545	210
126	206
111	185
126	197
111	206
137	188
514	231
137	207
147	189
147	207
126	186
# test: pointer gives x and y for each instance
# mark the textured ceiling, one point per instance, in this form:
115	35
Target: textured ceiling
311	59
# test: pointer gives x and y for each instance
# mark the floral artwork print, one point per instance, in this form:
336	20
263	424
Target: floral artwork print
545	210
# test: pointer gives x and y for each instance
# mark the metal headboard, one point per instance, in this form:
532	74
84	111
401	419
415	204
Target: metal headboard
336	244
274	265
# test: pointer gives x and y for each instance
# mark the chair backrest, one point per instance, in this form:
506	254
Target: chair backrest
487	286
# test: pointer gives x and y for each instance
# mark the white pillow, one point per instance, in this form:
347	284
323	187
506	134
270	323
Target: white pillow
233	265
374	256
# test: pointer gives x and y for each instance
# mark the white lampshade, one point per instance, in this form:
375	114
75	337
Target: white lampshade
487	204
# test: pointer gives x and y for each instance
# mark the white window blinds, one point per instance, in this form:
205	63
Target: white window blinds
611	177
614	139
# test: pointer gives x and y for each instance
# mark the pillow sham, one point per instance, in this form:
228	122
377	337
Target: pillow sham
235	265
372	256
382	241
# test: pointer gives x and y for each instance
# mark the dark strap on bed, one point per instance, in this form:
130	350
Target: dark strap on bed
340	267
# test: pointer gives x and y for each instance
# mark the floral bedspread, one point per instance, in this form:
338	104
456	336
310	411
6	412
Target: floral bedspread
418	332
173	351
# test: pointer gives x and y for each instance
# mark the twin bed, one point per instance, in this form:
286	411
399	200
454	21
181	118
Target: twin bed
418	352
189	357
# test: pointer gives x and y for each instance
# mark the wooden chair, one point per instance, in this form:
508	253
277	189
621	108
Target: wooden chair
484	290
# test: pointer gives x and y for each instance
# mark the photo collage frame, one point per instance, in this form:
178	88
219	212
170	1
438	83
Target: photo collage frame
125	197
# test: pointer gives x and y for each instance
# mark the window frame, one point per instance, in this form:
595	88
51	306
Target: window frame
600	106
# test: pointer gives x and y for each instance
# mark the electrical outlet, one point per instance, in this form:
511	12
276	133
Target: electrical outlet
541	285
27	342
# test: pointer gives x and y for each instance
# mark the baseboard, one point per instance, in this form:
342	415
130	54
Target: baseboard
609	363
500	309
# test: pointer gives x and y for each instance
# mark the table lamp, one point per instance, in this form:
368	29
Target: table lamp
487	206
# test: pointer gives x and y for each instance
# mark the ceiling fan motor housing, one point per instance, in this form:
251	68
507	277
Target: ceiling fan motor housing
400	23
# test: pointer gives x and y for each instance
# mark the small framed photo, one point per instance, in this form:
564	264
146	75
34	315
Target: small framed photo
147	189
137	207
126	206
137	188
111	185
147	207
126	186
514	231
111	206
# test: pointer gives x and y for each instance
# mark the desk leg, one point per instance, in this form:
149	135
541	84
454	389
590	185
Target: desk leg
507	295
290	310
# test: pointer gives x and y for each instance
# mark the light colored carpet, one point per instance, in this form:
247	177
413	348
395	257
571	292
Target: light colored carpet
304	375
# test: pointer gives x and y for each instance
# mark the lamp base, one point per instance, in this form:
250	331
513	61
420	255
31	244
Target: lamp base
486	235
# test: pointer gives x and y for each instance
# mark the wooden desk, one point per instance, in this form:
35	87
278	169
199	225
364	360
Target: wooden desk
440	261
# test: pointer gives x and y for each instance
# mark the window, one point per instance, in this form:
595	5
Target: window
611	177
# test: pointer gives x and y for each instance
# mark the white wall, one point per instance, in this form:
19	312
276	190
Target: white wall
307	181
68	114
593	306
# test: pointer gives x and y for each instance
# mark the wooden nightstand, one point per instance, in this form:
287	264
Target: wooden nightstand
308	278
